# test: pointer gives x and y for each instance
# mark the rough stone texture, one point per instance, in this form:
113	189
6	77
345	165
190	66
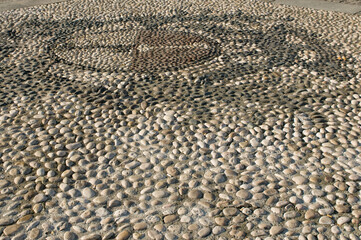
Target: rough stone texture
184	119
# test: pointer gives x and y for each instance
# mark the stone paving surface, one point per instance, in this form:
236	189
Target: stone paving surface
351	2
322	5
179	120
6	5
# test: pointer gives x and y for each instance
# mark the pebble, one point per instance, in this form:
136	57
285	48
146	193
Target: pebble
123	235
70	236
88	193
12	229
40	198
204	232
326	220
25	218
343	208
37	208
172	171
343	220
220	178
356	213
79	229
195	194
244	194
32	225
208	196
275	230
73	146
306	229
218	230
293	223
311	214
222	221
230	211
274	218
101	200
258	233
160	194
140	226
152	234
299	180
35	233
254	142
91	237
170	218
186	219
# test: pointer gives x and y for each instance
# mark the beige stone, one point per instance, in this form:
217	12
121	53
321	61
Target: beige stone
123	235
170	218
12	229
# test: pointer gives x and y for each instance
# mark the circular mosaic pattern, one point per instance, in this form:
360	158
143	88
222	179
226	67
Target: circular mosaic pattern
135	49
234	58
157	44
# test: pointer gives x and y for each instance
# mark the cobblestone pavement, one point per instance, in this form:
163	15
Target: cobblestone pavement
179	120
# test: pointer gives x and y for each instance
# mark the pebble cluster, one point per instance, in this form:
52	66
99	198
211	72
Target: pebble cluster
179	120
